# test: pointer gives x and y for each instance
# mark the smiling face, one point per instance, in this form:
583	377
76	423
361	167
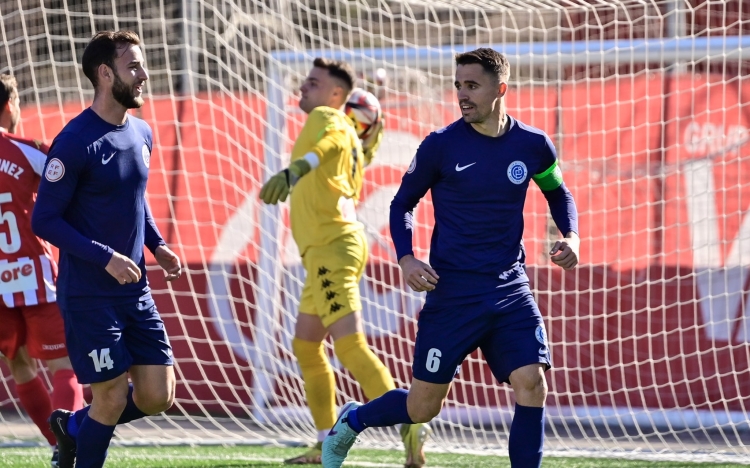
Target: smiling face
130	76
479	93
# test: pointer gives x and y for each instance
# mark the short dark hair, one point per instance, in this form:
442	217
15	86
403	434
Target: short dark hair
102	50
492	61
338	69
8	89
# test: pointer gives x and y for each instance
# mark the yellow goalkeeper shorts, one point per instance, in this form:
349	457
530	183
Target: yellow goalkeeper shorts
331	289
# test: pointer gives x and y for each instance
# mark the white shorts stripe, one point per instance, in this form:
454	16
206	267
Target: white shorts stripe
8	298
49	283
29	296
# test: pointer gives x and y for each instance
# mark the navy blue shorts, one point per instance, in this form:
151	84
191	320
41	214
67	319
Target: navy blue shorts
509	331
103	343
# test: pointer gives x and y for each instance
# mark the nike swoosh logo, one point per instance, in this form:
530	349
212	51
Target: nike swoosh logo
60	425
461	168
105	161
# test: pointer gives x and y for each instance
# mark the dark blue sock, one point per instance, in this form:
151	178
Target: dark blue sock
130	413
74	422
386	410
526	441
92	443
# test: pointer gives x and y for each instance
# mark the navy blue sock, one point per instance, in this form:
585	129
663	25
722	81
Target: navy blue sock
92	443
387	410
74	422
130	413
526	441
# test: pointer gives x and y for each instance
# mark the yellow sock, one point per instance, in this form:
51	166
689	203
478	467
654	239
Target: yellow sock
320	386
367	369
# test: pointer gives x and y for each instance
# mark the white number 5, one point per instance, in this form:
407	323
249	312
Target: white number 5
11	242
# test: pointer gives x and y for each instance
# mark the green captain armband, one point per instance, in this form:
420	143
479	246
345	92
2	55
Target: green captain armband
549	179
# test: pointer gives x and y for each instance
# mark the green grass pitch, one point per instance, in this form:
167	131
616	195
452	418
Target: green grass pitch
258	456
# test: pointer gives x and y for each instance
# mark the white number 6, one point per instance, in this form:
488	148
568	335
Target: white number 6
433	359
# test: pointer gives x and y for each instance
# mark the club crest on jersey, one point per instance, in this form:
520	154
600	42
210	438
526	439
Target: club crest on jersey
541	335
55	170
517	172
412	165
146	154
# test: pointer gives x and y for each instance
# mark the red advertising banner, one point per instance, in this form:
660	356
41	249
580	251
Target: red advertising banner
652	318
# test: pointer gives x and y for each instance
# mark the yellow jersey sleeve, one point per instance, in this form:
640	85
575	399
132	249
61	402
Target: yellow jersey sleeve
326	133
322	202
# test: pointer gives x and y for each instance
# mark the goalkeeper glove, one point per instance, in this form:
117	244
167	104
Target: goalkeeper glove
277	188
371	144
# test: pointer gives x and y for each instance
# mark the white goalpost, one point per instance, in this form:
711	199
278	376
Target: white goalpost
646	102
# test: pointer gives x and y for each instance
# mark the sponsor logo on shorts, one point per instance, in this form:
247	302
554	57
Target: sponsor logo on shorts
517	172
17	276
53	347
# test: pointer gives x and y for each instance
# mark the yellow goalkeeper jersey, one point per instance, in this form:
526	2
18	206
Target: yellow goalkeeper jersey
322	204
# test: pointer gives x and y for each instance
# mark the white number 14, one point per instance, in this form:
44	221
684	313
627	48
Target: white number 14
101	359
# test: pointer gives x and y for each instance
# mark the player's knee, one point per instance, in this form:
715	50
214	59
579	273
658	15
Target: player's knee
156	406
23	373
111	402
156	401
22	367
159	404
529	386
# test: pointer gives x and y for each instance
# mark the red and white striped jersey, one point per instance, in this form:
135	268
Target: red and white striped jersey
27	267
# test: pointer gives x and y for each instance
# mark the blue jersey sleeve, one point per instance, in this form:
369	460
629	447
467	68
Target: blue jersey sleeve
423	173
66	161
152	236
562	207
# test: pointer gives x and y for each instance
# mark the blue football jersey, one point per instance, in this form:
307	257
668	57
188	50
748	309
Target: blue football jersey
92	202
479	185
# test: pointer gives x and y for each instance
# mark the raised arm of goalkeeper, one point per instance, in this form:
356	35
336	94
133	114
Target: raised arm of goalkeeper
278	187
371	144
